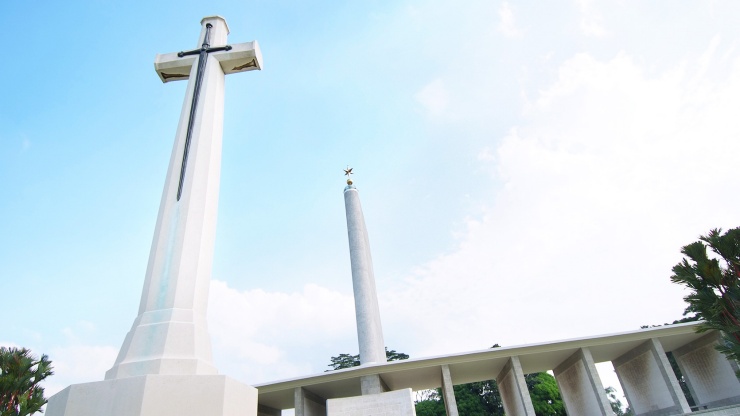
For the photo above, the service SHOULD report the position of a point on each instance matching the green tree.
(714, 285)
(344, 361)
(616, 404)
(348, 361)
(475, 399)
(478, 399)
(431, 406)
(543, 389)
(20, 375)
(484, 399)
(392, 355)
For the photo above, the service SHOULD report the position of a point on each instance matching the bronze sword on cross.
(202, 53)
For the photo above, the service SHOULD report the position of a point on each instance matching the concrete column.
(513, 389)
(308, 403)
(580, 386)
(648, 381)
(709, 375)
(369, 328)
(373, 384)
(170, 335)
(448, 392)
(263, 410)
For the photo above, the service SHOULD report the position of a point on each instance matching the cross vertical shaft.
(169, 335)
(202, 53)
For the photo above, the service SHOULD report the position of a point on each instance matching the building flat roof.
(424, 373)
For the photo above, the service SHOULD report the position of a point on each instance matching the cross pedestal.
(165, 361)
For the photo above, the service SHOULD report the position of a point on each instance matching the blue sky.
(528, 171)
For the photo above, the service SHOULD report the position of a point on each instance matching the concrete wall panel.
(396, 403)
(580, 386)
(710, 376)
(648, 381)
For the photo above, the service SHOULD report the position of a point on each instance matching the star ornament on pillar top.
(348, 172)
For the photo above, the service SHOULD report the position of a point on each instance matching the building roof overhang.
(424, 373)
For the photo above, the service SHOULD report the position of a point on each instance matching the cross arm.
(242, 57)
(171, 67)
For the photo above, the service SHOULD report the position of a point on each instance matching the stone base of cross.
(156, 395)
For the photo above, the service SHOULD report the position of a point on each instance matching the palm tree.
(715, 285)
(20, 375)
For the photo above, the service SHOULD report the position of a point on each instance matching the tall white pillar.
(170, 335)
(164, 367)
(369, 329)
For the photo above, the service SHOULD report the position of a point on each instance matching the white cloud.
(434, 97)
(507, 25)
(261, 336)
(591, 20)
(614, 171)
(78, 364)
(73, 361)
(486, 155)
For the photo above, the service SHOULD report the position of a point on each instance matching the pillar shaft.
(513, 389)
(580, 386)
(308, 403)
(709, 375)
(448, 392)
(648, 381)
(373, 384)
(169, 335)
(369, 329)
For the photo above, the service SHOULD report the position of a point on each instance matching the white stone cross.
(169, 335)
(172, 67)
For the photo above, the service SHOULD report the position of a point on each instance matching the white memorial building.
(165, 366)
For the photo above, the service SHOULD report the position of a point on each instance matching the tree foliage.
(476, 399)
(20, 375)
(616, 404)
(714, 285)
(344, 361)
(348, 361)
(483, 398)
(432, 405)
(543, 389)
(479, 398)
(392, 355)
